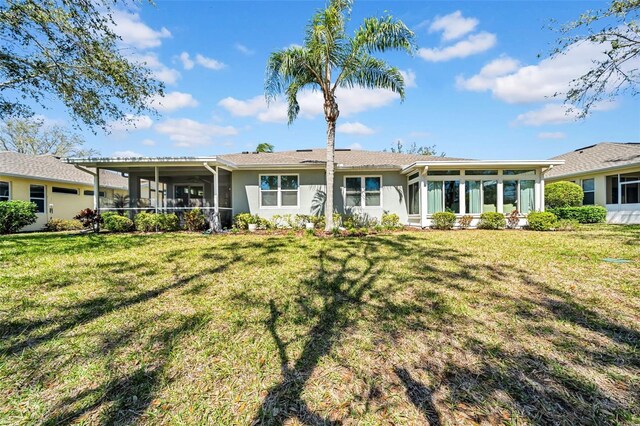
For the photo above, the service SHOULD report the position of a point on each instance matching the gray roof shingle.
(52, 168)
(346, 158)
(601, 156)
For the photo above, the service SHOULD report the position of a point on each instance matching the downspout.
(96, 190)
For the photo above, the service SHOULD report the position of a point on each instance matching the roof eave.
(595, 171)
(483, 163)
(147, 161)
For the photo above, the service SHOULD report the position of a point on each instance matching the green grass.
(450, 327)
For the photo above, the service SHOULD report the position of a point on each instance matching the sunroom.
(474, 187)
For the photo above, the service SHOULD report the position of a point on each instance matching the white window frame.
(410, 182)
(44, 187)
(9, 188)
(279, 191)
(363, 192)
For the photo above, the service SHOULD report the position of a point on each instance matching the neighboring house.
(609, 174)
(366, 182)
(58, 189)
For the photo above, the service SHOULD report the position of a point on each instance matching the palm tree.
(329, 59)
(264, 147)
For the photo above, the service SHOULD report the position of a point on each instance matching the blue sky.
(476, 87)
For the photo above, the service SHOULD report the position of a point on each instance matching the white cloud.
(187, 63)
(355, 128)
(173, 101)
(210, 63)
(557, 114)
(409, 78)
(537, 83)
(350, 101)
(244, 49)
(473, 44)
(126, 154)
(188, 133)
(453, 25)
(148, 142)
(131, 123)
(551, 135)
(159, 70)
(488, 74)
(355, 146)
(136, 33)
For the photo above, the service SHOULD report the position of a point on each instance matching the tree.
(617, 30)
(415, 149)
(36, 138)
(68, 49)
(329, 59)
(264, 147)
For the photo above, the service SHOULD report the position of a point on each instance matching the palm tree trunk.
(328, 204)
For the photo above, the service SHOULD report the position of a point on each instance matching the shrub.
(582, 214)
(242, 220)
(358, 220)
(194, 220)
(390, 221)
(89, 218)
(57, 225)
(465, 221)
(167, 222)
(542, 221)
(567, 225)
(513, 219)
(443, 220)
(563, 194)
(15, 215)
(492, 220)
(120, 202)
(145, 222)
(117, 223)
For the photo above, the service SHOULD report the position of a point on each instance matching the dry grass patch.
(437, 327)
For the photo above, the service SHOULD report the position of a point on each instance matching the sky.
(480, 84)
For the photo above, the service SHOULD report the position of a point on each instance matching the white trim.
(278, 191)
(471, 164)
(45, 179)
(363, 191)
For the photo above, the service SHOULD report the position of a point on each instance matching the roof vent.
(245, 152)
(583, 148)
(343, 149)
(304, 150)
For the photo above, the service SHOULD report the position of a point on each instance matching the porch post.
(96, 190)
(215, 191)
(157, 183)
(423, 197)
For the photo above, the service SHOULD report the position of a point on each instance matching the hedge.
(15, 215)
(563, 194)
(443, 220)
(583, 214)
(542, 221)
(492, 220)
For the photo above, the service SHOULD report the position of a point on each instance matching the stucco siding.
(57, 205)
(393, 194)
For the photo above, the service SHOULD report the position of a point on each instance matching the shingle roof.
(51, 168)
(345, 158)
(601, 156)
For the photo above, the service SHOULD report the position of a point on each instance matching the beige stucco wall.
(59, 206)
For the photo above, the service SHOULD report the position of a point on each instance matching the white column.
(541, 199)
(96, 190)
(423, 198)
(462, 198)
(215, 190)
(500, 194)
(157, 184)
(619, 192)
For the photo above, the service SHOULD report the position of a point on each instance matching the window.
(509, 196)
(189, 195)
(612, 189)
(88, 192)
(527, 196)
(279, 190)
(363, 191)
(4, 191)
(630, 188)
(443, 172)
(472, 196)
(414, 198)
(481, 172)
(37, 196)
(518, 172)
(443, 196)
(60, 190)
(588, 186)
(489, 196)
(414, 176)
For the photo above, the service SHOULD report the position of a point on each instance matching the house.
(58, 189)
(609, 174)
(366, 182)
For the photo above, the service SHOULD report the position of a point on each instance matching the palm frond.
(372, 73)
(381, 34)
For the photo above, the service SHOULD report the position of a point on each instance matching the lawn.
(445, 327)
